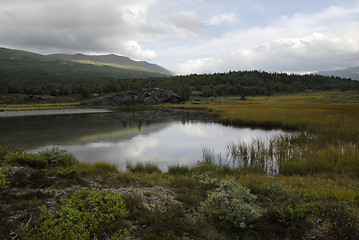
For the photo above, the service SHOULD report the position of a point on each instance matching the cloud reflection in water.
(172, 143)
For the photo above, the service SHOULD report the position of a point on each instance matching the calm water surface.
(119, 137)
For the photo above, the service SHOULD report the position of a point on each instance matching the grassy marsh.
(329, 127)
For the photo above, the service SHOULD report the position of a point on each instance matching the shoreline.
(23, 113)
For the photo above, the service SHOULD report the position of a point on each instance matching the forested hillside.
(114, 60)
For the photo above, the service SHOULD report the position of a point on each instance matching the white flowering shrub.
(229, 204)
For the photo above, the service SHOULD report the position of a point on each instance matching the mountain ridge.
(18, 66)
(351, 72)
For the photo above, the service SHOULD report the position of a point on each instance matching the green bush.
(229, 204)
(84, 215)
(26, 159)
(58, 157)
(4, 184)
(48, 157)
(3, 152)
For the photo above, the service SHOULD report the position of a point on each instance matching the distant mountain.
(18, 66)
(352, 73)
(116, 60)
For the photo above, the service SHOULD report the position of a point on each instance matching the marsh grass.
(327, 124)
(294, 154)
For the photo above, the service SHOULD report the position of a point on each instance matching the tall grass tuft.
(142, 168)
(178, 170)
(209, 157)
(105, 167)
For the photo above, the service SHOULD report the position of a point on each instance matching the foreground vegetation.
(314, 196)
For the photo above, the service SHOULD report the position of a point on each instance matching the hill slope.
(25, 67)
(114, 60)
(352, 73)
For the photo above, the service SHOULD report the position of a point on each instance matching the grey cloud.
(89, 26)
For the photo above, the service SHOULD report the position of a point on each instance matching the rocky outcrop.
(34, 99)
(144, 96)
(157, 95)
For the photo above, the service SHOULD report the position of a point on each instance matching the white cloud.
(298, 43)
(138, 51)
(308, 53)
(223, 18)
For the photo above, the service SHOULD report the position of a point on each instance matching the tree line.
(247, 83)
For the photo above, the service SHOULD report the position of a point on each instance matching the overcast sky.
(192, 36)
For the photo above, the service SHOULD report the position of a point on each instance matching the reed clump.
(285, 155)
(178, 170)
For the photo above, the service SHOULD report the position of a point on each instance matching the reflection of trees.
(139, 125)
(36, 131)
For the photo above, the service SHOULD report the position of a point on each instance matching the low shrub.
(4, 150)
(49, 157)
(342, 220)
(26, 159)
(294, 218)
(67, 173)
(85, 215)
(229, 205)
(58, 157)
(168, 223)
(4, 184)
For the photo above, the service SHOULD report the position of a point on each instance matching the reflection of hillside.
(35, 131)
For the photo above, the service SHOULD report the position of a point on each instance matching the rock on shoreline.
(144, 96)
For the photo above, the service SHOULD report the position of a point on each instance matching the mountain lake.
(162, 137)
